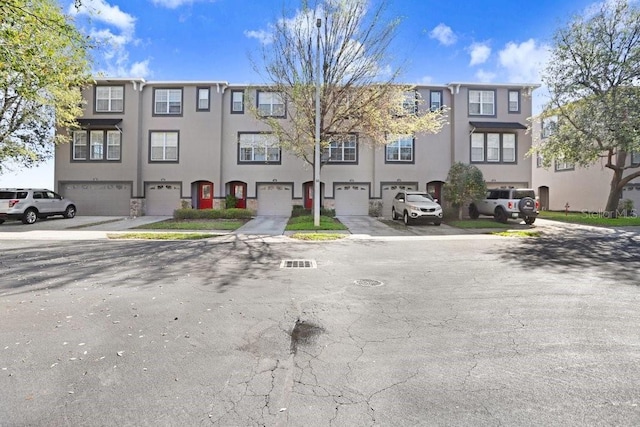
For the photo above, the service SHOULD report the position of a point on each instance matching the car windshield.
(419, 198)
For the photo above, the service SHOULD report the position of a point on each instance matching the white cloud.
(113, 30)
(444, 34)
(485, 76)
(263, 36)
(479, 53)
(524, 62)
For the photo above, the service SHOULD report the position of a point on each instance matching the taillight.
(510, 205)
(537, 205)
(13, 202)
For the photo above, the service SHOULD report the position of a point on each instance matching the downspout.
(453, 121)
(139, 138)
(221, 162)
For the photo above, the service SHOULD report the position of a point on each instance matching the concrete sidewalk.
(264, 226)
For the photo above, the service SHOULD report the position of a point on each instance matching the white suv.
(414, 206)
(505, 203)
(29, 204)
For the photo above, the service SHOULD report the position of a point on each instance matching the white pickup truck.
(506, 203)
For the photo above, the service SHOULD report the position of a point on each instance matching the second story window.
(493, 147)
(237, 102)
(109, 99)
(103, 145)
(514, 101)
(342, 149)
(635, 157)
(410, 102)
(167, 101)
(435, 100)
(270, 104)
(203, 99)
(163, 146)
(482, 103)
(561, 165)
(549, 126)
(258, 147)
(400, 150)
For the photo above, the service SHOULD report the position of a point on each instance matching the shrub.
(299, 210)
(212, 214)
(230, 201)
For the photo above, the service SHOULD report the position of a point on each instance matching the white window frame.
(494, 148)
(342, 149)
(114, 145)
(237, 102)
(204, 98)
(635, 157)
(258, 148)
(477, 148)
(561, 165)
(409, 103)
(271, 104)
(80, 145)
(109, 99)
(167, 101)
(435, 105)
(513, 104)
(165, 143)
(96, 143)
(400, 144)
(508, 148)
(485, 100)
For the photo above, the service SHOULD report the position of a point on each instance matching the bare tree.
(359, 94)
(593, 77)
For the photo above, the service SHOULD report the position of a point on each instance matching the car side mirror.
(401, 200)
(435, 200)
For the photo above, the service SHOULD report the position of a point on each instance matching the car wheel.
(473, 211)
(437, 223)
(1, 221)
(70, 212)
(529, 220)
(405, 218)
(394, 215)
(30, 216)
(500, 215)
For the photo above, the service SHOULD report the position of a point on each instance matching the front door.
(239, 191)
(205, 195)
(435, 189)
(308, 195)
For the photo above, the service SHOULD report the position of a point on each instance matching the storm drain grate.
(370, 283)
(298, 263)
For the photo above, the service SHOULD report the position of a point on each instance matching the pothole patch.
(368, 283)
(304, 333)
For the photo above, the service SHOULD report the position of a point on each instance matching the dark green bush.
(212, 214)
(230, 201)
(299, 210)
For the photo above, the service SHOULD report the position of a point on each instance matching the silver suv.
(505, 203)
(29, 204)
(416, 205)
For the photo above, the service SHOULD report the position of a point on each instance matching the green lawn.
(305, 222)
(318, 237)
(194, 224)
(477, 223)
(587, 218)
(160, 236)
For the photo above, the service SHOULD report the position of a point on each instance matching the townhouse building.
(148, 148)
(566, 186)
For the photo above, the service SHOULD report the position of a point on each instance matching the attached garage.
(389, 191)
(162, 198)
(352, 199)
(275, 199)
(105, 198)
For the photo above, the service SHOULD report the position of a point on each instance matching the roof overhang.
(497, 125)
(100, 123)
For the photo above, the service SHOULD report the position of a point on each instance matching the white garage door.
(352, 199)
(162, 199)
(99, 198)
(389, 191)
(274, 199)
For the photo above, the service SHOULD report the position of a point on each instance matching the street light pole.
(316, 160)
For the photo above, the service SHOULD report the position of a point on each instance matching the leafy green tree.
(359, 94)
(43, 65)
(593, 77)
(465, 183)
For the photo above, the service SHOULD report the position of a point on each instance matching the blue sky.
(440, 41)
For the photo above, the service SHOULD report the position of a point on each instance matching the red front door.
(239, 190)
(308, 195)
(205, 195)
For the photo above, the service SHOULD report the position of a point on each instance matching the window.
(539, 160)
(493, 147)
(109, 99)
(258, 147)
(635, 157)
(270, 104)
(435, 100)
(237, 102)
(514, 101)
(101, 142)
(80, 145)
(97, 145)
(549, 126)
(482, 103)
(168, 101)
(203, 99)
(400, 150)
(410, 102)
(561, 165)
(342, 149)
(164, 146)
